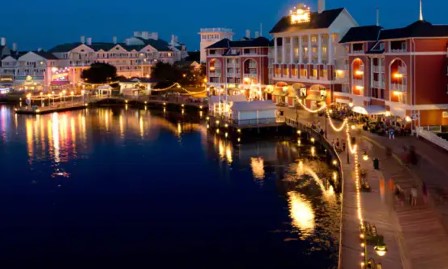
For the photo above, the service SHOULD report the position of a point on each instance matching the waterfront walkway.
(416, 236)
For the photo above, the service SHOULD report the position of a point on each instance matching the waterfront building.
(63, 64)
(234, 63)
(307, 55)
(28, 70)
(210, 36)
(400, 72)
(6, 78)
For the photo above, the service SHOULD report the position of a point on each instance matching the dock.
(59, 107)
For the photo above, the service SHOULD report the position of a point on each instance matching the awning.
(369, 110)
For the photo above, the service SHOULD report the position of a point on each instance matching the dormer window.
(359, 47)
(398, 46)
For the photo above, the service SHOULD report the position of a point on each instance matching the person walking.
(413, 196)
(343, 145)
(425, 193)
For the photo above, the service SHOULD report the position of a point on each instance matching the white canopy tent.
(221, 104)
(369, 110)
(253, 113)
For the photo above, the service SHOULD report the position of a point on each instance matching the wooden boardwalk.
(415, 235)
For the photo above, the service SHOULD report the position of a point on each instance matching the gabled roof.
(65, 47)
(317, 21)
(106, 46)
(362, 33)
(226, 43)
(416, 29)
(46, 55)
(159, 44)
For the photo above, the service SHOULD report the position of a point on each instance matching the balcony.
(378, 84)
(250, 75)
(358, 82)
(215, 74)
(358, 51)
(377, 69)
(233, 74)
(398, 50)
(398, 87)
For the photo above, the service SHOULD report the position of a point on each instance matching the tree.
(99, 73)
(166, 72)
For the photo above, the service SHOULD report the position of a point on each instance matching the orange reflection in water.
(301, 213)
(257, 166)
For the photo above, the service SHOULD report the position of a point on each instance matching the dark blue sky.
(43, 23)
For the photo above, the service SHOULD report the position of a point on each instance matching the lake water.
(133, 188)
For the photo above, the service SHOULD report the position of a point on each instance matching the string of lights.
(311, 110)
(337, 129)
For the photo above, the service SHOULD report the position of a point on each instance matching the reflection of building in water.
(61, 136)
(5, 116)
(54, 134)
(257, 165)
(301, 213)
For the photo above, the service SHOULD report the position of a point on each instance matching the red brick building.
(402, 71)
(231, 63)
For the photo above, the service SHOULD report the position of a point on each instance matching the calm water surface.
(111, 187)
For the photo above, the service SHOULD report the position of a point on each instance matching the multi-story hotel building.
(63, 64)
(402, 71)
(230, 63)
(307, 54)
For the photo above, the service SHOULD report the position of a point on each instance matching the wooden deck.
(35, 110)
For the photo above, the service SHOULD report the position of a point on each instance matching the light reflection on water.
(301, 213)
(308, 204)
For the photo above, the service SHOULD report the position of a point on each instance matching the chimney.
(321, 6)
(14, 46)
(257, 34)
(377, 17)
(3, 41)
(89, 41)
(173, 40)
(83, 39)
(114, 40)
(248, 33)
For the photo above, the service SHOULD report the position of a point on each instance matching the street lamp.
(380, 249)
(365, 157)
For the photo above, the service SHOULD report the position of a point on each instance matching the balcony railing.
(378, 84)
(358, 82)
(358, 51)
(377, 69)
(215, 74)
(398, 87)
(398, 50)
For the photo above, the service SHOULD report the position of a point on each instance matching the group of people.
(411, 195)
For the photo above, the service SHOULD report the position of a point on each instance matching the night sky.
(43, 23)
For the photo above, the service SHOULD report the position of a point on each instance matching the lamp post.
(41, 99)
(323, 95)
(72, 94)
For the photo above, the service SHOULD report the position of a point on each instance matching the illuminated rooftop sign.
(300, 14)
